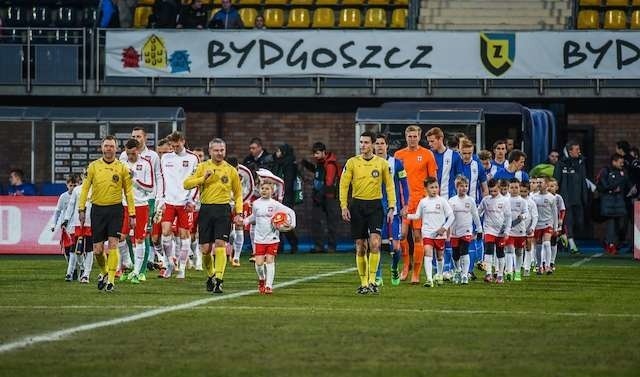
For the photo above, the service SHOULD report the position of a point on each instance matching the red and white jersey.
(519, 216)
(547, 211)
(154, 159)
(143, 181)
(267, 175)
(71, 213)
(435, 213)
(262, 212)
(533, 214)
(176, 167)
(560, 207)
(465, 214)
(497, 215)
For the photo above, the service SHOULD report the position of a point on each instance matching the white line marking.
(61, 334)
(585, 260)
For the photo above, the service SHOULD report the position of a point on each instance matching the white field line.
(307, 309)
(61, 334)
(585, 260)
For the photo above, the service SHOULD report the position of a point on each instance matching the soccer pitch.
(582, 321)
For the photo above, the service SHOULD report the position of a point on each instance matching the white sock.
(572, 244)
(185, 247)
(527, 259)
(440, 265)
(488, 261)
(260, 271)
(271, 274)
(501, 265)
(157, 250)
(72, 263)
(509, 260)
(494, 262)
(554, 253)
(88, 263)
(125, 258)
(539, 255)
(428, 267)
(167, 246)
(465, 262)
(546, 252)
(238, 242)
(139, 255)
(519, 260)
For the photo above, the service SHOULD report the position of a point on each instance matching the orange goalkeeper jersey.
(419, 165)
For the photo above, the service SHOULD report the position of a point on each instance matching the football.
(281, 221)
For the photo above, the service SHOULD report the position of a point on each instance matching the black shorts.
(106, 221)
(214, 223)
(366, 218)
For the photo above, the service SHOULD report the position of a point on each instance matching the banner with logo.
(25, 227)
(373, 53)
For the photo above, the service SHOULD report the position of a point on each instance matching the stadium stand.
(350, 18)
(141, 16)
(274, 17)
(615, 19)
(608, 14)
(248, 16)
(588, 19)
(323, 18)
(375, 18)
(635, 20)
(399, 18)
(299, 18)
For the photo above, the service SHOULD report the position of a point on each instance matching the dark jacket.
(191, 18)
(285, 168)
(164, 14)
(571, 174)
(226, 19)
(613, 186)
(326, 175)
(265, 161)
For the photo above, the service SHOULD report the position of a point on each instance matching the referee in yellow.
(366, 173)
(219, 182)
(109, 178)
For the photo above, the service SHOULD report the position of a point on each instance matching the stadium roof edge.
(93, 114)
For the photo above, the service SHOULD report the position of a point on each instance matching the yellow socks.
(361, 263)
(374, 259)
(101, 259)
(220, 262)
(207, 261)
(112, 264)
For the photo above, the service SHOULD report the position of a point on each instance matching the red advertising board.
(636, 230)
(25, 225)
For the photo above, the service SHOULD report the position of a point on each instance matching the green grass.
(582, 321)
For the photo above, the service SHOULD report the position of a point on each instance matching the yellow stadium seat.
(146, 2)
(401, 2)
(615, 19)
(299, 18)
(378, 2)
(249, 2)
(588, 19)
(635, 3)
(274, 17)
(375, 18)
(399, 18)
(275, 2)
(352, 2)
(301, 2)
(141, 17)
(207, 2)
(635, 20)
(617, 3)
(323, 18)
(326, 2)
(248, 16)
(590, 3)
(350, 18)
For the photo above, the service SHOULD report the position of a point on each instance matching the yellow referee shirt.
(109, 180)
(366, 178)
(218, 188)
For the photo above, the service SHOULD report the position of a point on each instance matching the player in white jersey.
(177, 203)
(236, 237)
(142, 179)
(497, 225)
(518, 234)
(546, 226)
(81, 231)
(266, 235)
(561, 208)
(156, 227)
(437, 217)
(531, 224)
(466, 222)
(66, 242)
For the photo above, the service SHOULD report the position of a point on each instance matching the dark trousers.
(292, 238)
(574, 219)
(616, 230)
(325, 216)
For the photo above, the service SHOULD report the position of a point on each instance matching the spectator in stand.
(126, 9)
(165, 13)
(17, 185)
(259, 22)
(226, 18)
(258, 156)
(285, 167)
(109, 16)
(325, 204)
(510, 145)
(192, 16)
(613, 184)
(571, 174)
(547, 167)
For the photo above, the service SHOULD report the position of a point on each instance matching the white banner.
(377, 54)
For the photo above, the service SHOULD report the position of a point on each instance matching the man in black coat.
(613, 185)
(258, 156)
(571, 174)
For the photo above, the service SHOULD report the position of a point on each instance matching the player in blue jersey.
(392, 231)
(516, 160)
(449, 162)
(473, 170)
(499, 160)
